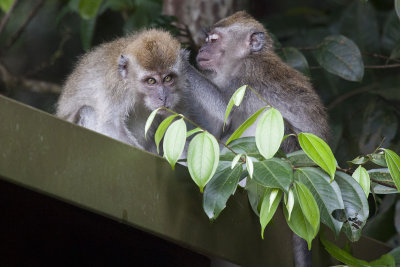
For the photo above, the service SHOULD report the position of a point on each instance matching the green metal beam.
(51, 156)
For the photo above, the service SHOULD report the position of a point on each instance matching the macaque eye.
(213, 37)
(151, 81)
(168, 78)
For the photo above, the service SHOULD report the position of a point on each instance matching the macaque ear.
(257, 41)
(123, 65)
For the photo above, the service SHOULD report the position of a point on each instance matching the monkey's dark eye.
(168, 78)
(151, 81)
(213, 37)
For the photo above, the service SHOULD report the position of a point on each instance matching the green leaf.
(255, 192)
(203, 158)
(240, 130)
(243, 145)
(397, 7)
(386, 260)
(319, 152)
(359, 160)
(192, 132)
(219, 189)
(269, 133)
(174, 142)
(341, 56)
(149, 121)
(88, 8)
(87, 31)
(341, 255)
(382, 176)
(235, 160)
(236, 99)
(249, 166)
(355, 204)
(289, 202)
(161, 130)
(327, 194)
(5, 5)
(308, 205)
(270, 202)
(300, 159)
(393, 162)
(298, 223)
(362, 177)
(293, 57)
(274, 173)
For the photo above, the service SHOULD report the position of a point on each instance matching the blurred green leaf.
(379, 159)
(245, 125)
(355, 203)
(295, 59)
(192, 132)
(88, 8)
(5, 5)
(174, 141)
(219, 189)
(300, 159)
(397, 7)
(319, 152)
(341, 56)
(270, 202)
(269, 132)
(362, 177)
(274, 173)
(161, 130)
(327, 194)
(88, 27)
(391, 32)
(202, 158)
(393, 162)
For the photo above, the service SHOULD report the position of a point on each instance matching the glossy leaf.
(362, 177)
(249, 166)
(269, 133)
(88, 8)
(326, 194)
(243, 145)
(174, 141)
(359, 160)
(236, 99)
(379, 159)
(274, 173)
(298, 222)
(192, 132)
(384, 178)
(149, 121)
(202, 158)
(5, 5)
(293, 57)
(393, 162)
(341, 56)
(319, 152)
(355, 204)
(161, 130)
(245, 125)
(270, 202)
(289, 202)
(300, 159)
(219, 189)
(308, 205)
(255, 192)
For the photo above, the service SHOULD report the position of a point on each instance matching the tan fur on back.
(154, 49)
(241, 17)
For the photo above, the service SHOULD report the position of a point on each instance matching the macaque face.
(211, 52)
(159, 89)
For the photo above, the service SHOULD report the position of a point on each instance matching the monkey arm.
(205, 104)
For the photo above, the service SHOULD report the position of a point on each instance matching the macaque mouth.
(202, 59)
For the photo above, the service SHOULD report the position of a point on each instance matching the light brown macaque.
(114, 87)
(239, 51)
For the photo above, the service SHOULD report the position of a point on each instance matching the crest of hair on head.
(155, 49)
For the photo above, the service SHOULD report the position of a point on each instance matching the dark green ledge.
(45, 154)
